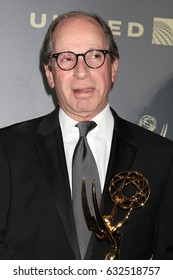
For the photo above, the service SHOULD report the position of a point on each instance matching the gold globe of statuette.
(134, 182)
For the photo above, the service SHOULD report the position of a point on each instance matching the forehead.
(78, 30)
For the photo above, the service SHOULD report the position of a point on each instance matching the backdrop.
(143, 31)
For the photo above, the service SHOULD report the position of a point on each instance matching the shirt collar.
(67, 124)
(104, 120)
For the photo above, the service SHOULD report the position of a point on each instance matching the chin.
(86, 109)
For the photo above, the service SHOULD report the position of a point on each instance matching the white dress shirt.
(99, 140)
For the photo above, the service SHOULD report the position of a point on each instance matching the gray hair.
(46, 50)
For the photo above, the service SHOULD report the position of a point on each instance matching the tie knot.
(85, 127)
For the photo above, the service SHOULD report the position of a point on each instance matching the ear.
(49, 76)
(114, 70)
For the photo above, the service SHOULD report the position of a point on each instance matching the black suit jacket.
(36, 216)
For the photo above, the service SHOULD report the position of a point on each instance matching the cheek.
(59, 81)
(61, 78)
(105, 81)
(62, 88)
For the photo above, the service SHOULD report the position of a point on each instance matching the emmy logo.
(150, 123)
(103, 225)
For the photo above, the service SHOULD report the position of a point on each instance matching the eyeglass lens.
(68, 60)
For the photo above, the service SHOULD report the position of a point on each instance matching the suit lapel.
(121, 159)
(51, 152)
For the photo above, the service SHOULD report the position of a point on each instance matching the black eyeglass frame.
(55, 55)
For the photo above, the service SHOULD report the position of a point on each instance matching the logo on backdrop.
(150, 123)
(162, 32)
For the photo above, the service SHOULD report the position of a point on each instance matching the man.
(36, 212)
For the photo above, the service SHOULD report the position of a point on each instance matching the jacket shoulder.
(19, 128)
(18, 136)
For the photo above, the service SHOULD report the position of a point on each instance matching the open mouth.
(83, 90)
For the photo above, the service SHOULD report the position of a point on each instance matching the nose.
(81, 70)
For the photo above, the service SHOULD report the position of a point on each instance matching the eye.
(66, 58)
(96, 55)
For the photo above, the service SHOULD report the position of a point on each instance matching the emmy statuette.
(103, 225)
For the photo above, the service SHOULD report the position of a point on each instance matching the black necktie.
(83, 166)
